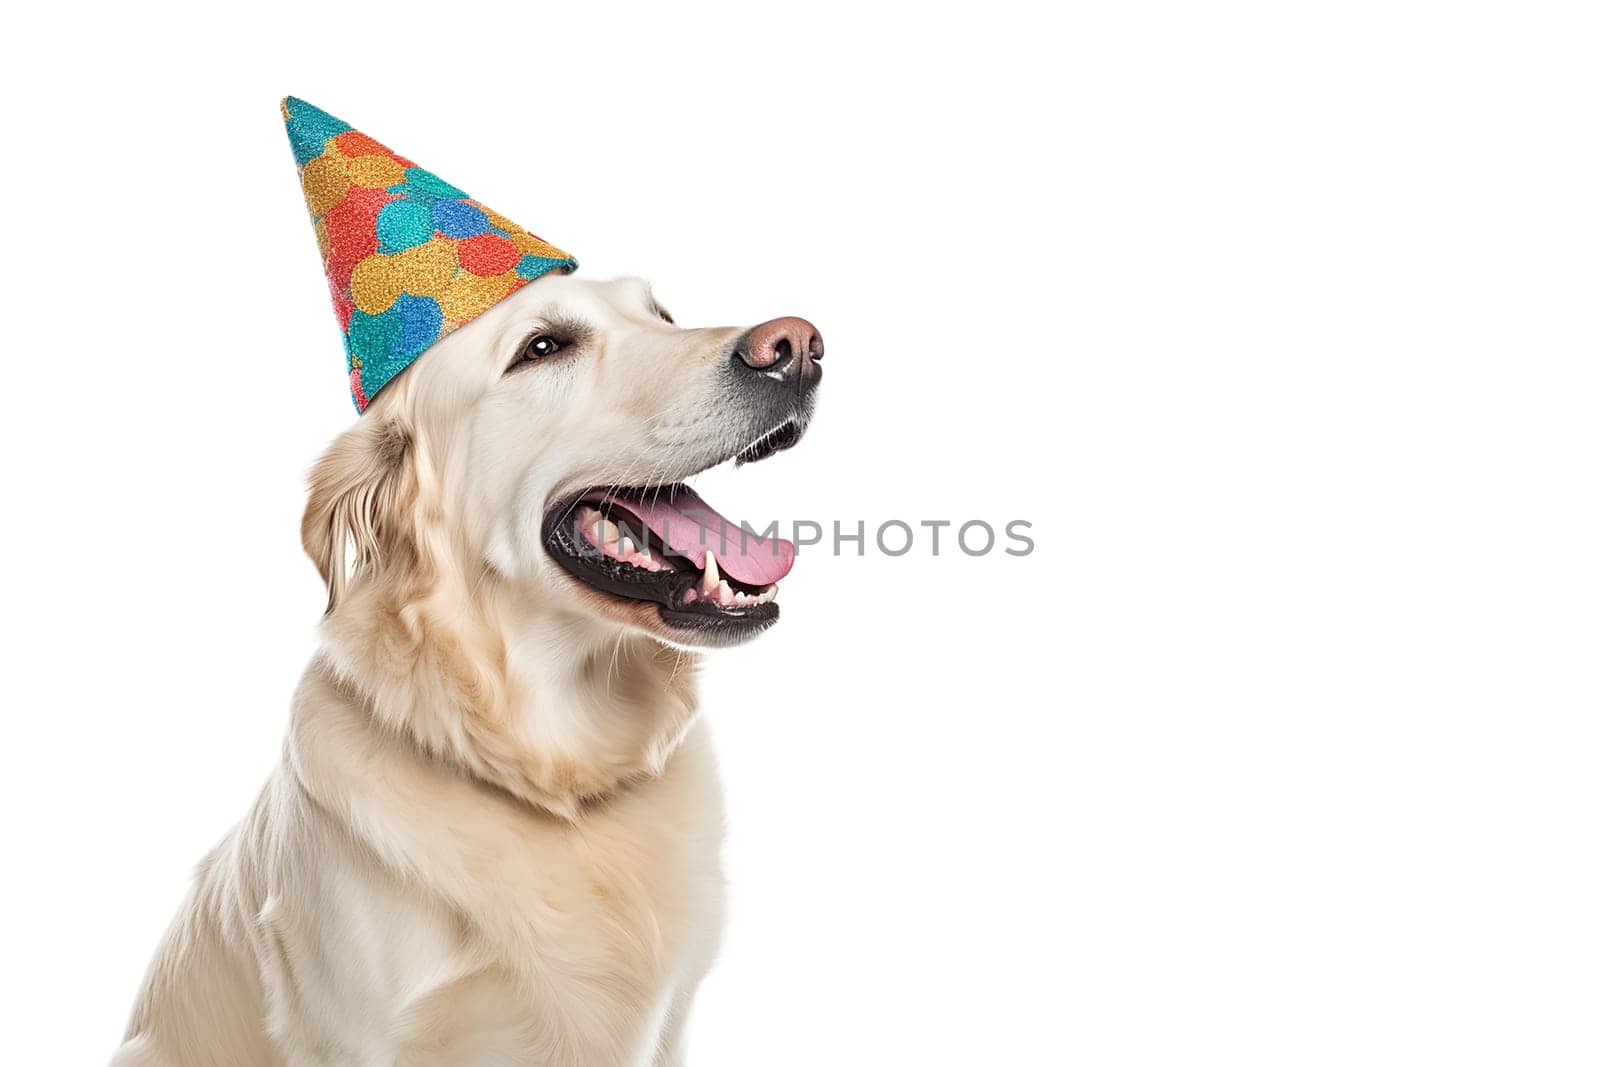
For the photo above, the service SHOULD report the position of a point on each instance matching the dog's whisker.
(615, 650)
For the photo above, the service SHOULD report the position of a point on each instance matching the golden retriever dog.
(493, 837)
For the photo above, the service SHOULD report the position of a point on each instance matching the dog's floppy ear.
(363, 495)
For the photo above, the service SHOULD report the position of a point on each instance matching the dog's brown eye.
(538, 347)
(558, 335)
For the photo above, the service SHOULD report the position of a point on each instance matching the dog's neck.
(551, 706)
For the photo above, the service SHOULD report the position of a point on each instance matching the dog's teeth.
(712, 577)
(589, 522)
(724, 593)
(625, 548)
(606, 531)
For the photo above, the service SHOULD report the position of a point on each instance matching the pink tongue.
(689, 526)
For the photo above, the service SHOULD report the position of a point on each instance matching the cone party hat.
(409, 257)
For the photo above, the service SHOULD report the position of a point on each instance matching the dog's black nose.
(785, 350)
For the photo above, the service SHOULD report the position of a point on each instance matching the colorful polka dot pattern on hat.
(409, 256)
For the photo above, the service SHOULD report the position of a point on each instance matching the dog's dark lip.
(672, 588)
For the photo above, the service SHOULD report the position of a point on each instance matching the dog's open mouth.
(665, 545)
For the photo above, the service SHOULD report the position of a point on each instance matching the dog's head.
(544, 445)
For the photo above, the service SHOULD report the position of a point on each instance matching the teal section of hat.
(409, 257)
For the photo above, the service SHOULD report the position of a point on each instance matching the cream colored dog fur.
(493, 837)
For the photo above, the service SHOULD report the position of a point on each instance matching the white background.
(1277, 321)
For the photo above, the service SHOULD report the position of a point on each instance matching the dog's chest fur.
(376, 907)
(533, 938)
